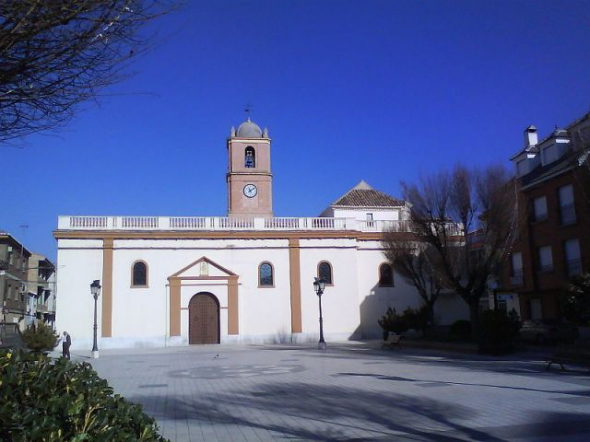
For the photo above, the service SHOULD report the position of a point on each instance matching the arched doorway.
(203, 323)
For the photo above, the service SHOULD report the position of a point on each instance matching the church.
(243, 278)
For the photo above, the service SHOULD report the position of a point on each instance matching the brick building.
(14, 259)
(553, 241)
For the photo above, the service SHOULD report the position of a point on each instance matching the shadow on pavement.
(584, 393)
(335, 413)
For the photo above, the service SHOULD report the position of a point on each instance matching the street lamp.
(319, 285)
(95, 290)
(493, 285)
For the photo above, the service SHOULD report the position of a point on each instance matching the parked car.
(548, 331)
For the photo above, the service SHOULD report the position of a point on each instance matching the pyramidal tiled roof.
(363, 195)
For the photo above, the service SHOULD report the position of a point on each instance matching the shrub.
(52, 401)
(410, 318)
(417, 319)
(40, 338)
(575, 301)
(392, 322)
(460, 330)
(497, 331)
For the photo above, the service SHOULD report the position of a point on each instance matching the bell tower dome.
(249, 179)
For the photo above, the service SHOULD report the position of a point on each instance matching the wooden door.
(203, 319)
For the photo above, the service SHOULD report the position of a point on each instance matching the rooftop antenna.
(23, 228)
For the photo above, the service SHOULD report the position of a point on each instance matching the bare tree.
(55, 54)
(415, 261)
(468, 219)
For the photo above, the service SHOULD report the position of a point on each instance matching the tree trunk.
(474, 318)
(430, 327)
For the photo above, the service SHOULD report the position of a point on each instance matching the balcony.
(203, 223)
(14, 305)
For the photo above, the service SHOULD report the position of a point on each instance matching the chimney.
(531, 137)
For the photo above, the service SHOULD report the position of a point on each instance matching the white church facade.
(244, 278)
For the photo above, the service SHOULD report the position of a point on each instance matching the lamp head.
(319, 285)
(95, 288)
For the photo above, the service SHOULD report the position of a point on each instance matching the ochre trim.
(295, 285)
(221, 234)
(207, 260)
(205, 278)
(107, 288)
(174, 306)
(233, 326)
(175, 282)
(228, 234)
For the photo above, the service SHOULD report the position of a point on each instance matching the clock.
(250, 190)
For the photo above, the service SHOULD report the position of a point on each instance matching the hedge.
(56, 400)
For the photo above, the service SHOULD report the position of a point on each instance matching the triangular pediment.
(203, 267)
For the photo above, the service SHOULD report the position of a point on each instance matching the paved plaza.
(351, 392)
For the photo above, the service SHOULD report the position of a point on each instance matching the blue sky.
(376, 90)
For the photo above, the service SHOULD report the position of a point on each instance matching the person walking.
(66, 341)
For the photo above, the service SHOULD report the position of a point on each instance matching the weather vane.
(248, 109)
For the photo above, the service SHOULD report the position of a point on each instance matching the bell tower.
(249, 180)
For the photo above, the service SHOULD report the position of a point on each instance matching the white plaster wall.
(373, 300)
(165, 258)
(340, 301)
(262, 311)
(450, 307)
(77, 268)
(361, 214)
(141, 315)
(140, 312)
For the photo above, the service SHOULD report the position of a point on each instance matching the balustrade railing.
(225, 223)
(200, 223)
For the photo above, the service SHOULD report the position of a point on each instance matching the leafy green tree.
(40, 338)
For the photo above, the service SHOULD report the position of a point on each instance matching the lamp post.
(494, 286)
(319, 285)
(95, 290)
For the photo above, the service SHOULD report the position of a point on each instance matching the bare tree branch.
(55, 54)
(416, 262)
(467, 219)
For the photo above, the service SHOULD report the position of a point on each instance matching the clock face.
(250, 190)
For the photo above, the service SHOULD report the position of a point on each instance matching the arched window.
(266, 275)
(385, 275)
(250, 157)
(139, 274)
(325, 272)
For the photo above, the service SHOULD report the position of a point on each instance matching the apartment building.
(14, 259)
(41, 290)
(553, 241)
